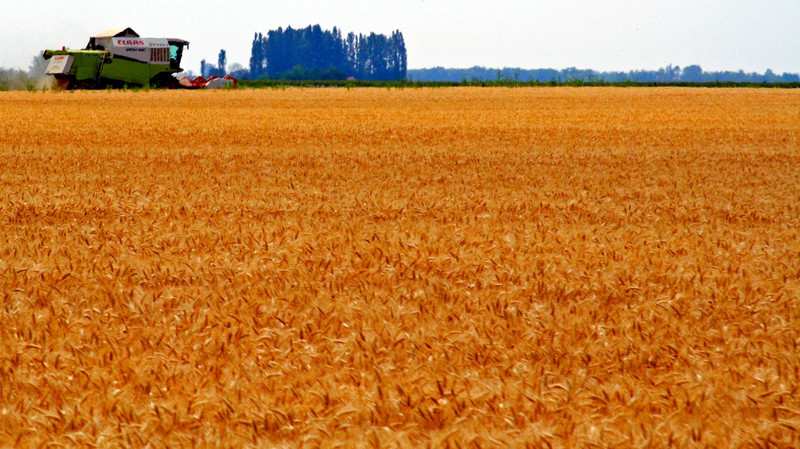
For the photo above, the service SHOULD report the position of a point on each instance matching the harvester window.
(175, 55)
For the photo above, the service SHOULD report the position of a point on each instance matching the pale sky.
(605, 35)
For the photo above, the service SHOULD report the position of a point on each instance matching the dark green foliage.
(283, 83)
(257, 59)
(299, 73)
(314, 53)
(222, 62)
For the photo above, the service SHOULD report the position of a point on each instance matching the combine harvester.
(121, 58)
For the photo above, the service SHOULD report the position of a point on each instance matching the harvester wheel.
(165, 81)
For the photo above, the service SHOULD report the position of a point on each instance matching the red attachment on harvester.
(214, 82)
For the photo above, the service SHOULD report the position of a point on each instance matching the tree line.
(666, 75)
(314, 53)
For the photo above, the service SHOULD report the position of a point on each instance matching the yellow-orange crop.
(457, 267)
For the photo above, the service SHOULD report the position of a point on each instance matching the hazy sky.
(606, 35)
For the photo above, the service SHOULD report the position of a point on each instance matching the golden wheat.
(400, 268)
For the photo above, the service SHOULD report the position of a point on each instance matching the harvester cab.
(120, 58)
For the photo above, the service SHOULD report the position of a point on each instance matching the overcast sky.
(606, 35)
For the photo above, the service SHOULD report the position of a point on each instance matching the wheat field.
(460, 268)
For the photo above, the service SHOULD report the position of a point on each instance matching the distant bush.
(12, 79)
(33, 79)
